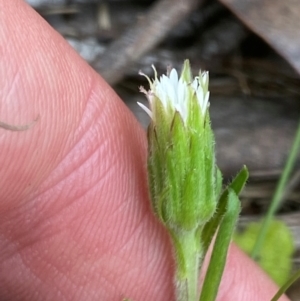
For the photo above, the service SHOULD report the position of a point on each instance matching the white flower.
(177, 92)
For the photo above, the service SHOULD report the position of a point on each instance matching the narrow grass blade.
(219, 253)
(282, 290)
(278, 194)
(210, 228)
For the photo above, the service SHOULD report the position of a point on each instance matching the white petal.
(200, 97)
(169, 89)
(172, 93)
(174, 78)
(205, 78)
(161, 92)
(205, 102)
(181, 92)
(182, 109)
(147, 110)
(195, 83)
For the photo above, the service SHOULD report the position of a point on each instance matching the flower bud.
(182, 173)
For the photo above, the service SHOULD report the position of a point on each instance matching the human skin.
(75, 219)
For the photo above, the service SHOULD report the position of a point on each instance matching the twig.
(146, 33)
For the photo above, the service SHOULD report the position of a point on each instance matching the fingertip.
(41, 75)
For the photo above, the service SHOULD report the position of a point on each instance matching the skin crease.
(75, 219)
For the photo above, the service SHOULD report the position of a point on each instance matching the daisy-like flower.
(175, 93)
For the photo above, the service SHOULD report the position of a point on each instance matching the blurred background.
(252, 52)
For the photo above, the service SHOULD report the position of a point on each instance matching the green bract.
(181, 162)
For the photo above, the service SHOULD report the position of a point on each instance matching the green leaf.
(219, 254)
(210, 228)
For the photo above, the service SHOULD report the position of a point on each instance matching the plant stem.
(278, 194)
(188, 254)
(286, 286)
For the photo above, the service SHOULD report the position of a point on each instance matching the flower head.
(175, 93)
(181, 158)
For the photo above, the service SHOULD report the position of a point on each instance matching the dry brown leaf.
(276, 21)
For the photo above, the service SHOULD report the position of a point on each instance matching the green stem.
(187, 253)
(283, 289)
(278, 194)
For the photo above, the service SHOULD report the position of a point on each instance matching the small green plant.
(186, 188)
(261, 243)
(279, 192)
(185, 183)
(276, 252)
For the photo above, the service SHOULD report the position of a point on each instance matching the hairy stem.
(188, 255)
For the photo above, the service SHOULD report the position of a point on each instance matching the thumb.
(41, 76)
(75, 222)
